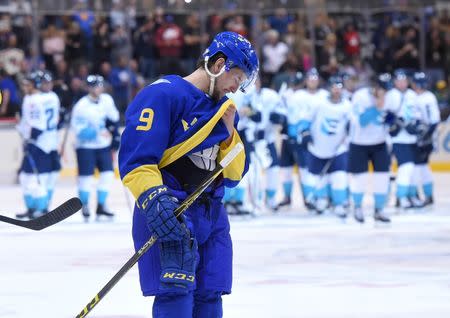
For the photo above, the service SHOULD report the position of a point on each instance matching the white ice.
(285, 265)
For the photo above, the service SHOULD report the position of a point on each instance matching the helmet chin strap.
(212, 77)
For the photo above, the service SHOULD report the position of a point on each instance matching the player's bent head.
(229, 50)
(95, 84)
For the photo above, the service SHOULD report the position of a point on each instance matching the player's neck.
(199, 79)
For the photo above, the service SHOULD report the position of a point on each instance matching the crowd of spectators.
(131, 50)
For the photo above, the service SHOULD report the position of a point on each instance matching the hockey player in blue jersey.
(368, 144)
(429, 120)
(176, 131)
(94, 121)
(38, 126)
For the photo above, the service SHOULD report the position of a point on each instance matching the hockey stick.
(55, 216)
(183, 207)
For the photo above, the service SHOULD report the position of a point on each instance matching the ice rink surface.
(289, 264)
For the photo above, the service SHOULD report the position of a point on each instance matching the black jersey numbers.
(146, 119)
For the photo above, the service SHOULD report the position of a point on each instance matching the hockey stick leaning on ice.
(55, 216)
(183, 207)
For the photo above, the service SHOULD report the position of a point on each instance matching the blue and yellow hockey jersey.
(167, 120)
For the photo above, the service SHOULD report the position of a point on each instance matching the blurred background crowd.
(133, 42)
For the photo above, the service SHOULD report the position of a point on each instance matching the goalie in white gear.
(325, 133)
(39, 129)
(94, 121)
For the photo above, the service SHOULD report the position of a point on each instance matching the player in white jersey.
(368, 144)
(300, 104)
(326, 137)
(95, 121)
(38, 127)
(429, 120)
(402, 101)
(268, 103)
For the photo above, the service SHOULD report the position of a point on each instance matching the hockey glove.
(256, 117)
(305, 137)
(158, 206)
(276, 118)
(35, 134)
(178, 261)
(416, 128)
(389, 118)
(395, 128)
(87, 134)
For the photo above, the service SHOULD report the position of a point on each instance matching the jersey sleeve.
(144, 139)
(111, 111)
(78, 121)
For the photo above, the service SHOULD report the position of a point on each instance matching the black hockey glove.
(396, 126)
(178, 261)
(305, 137)
(113, 128)
(158, 206)
(276, 118)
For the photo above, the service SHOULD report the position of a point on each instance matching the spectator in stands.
(169, 44)
(280, 20)
(53, 46)
(74, 43)
(117, 14)
(406, 53)
(328, 60)
(11, 57)
(352, 41)
(144, 48)
(85, 18)
(120, 45)
(274, 54)
(236, 24)
(9, 95)
(77, 90)
(194, 41)
(383, 55)
(102, 45)
(123, 83)
(435, 52)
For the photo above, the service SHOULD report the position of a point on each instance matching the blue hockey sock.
(380, 200)
(428, 190)
(30, 203)
(174, 305)
(338, 196)
(402, 191)
(270, 194)
(208, 304)
(101, 197)
(412, 192)
(41, 203)
(239, 194)
(357, 199)
(287, 188)
(84, 197)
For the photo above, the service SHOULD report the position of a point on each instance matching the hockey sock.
(84, 197)
(207, 304)
(101, 197)
(174, 305)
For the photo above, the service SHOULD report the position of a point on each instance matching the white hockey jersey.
(428, 108)
(41, 111)
(367, 126)
(93, 114)
(302, 103)
(266, 101)
(404, 105)
(329, 123)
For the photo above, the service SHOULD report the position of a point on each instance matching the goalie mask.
(239, 52)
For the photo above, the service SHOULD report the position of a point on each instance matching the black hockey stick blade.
(62, 212)
(178, 211)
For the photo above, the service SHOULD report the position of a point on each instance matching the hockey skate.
(321, 205)
(428, 201)
(380, 216)
(417, 202)
(285, 202)
(28, 214)
(358, 214)
(85, 212)
(101, 212)
(340, 211)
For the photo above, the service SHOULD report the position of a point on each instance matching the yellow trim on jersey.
(236, 167)
(176, 152)
(142, 178)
